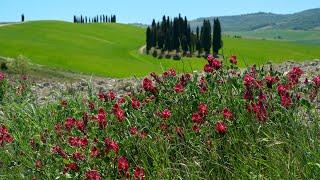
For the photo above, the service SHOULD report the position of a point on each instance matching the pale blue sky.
(129, 11)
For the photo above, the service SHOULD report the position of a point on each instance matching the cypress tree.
(217, 41)
(86, 20)
(206, 36)
(148, 40)
(22, 18)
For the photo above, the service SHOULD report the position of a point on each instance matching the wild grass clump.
(223, 124)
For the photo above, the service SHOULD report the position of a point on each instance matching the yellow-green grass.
(112, 49)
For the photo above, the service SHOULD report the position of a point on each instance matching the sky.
(143, 11)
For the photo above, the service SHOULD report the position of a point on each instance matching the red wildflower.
(155, 77)
(286, 101)
(248, 80)
(94, 152)
(80, 125)
(260, 110)
(294, 75)
(166, 114)
(196, 118)
(57, 150)
(139, 174)
(111, 95)
(207, 68)
(178, 88)
(316, 81)
(102, 119)
(221, 127)
(135, 104)
(121, 100)
(93, 175)
(216, 64)
(5, 137)
(227, 114)
(120, 114)
(248, 95)
(133, 130)
(69, 123)
(78, 156)
(233, 60)
(196, 128)
(143, 134)
(78, 142)
(101, 96)
(270, 81)
(147, 84)
(203, 109)
(111, 145)
(38, 164)
(71, 167)
(282, 89)
(2, 76)
(123, 164)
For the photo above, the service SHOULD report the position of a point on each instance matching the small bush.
(19, 65)
(168, 56)
(177, 57)
(155, 53)
(3, 66)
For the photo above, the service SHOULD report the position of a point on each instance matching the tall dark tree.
(148, 38)
(86, 20)
(206, 36)
(217, 41)
(22, 18)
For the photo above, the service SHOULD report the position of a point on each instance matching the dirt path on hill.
(8, 24)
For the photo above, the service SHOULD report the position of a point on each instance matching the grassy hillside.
(307, 37)
(112, 49)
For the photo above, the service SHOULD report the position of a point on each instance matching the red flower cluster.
(213, 64)
(5, 137)
(221, 127)
(316, 81)
(227, 114)
(166, 114)
(2, 76)
(93, 175)
(118, 112)
(101, 118)
(78, 142)
(294, 75)
(148, 85)
(169, 73)
(71, 167)
(139, 173)
(57, 150)
(123, 164)
(111, 145)
(233, 60)
(135, 103)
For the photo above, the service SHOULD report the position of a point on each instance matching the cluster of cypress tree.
(176, 34)
(96, 19)
(170, 35)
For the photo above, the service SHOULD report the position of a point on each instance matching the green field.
(306, 37)
(112, 49)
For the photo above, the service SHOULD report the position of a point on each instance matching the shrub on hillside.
(155, 53)
(177, 57)
(19, 65)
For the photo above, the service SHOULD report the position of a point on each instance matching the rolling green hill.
(112, 49)
(304, 20)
